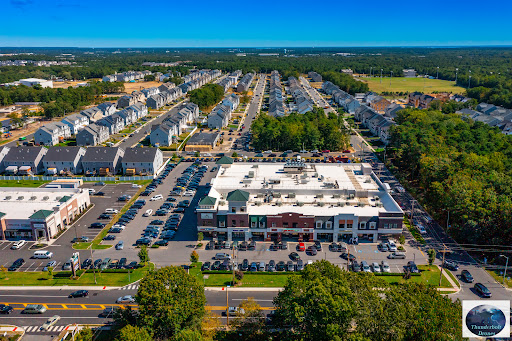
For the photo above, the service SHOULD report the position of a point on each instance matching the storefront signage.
(206, 215)
(205, 229)
(39, 226)
(292, 230)
(238, 230)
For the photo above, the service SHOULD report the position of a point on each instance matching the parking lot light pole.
(506, 266)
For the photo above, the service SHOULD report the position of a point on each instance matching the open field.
(130, 87)
(401, 84)
(23, 183)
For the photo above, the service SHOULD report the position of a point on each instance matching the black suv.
(245, 265)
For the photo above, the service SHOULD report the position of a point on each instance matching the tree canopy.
(313, 130)
(207, 96)
(457, 167)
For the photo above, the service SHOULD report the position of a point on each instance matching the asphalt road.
(88, 309)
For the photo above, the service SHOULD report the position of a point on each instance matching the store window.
(253, 224)
(319, 224)
(362, 226)
(233, 222)
(373, 225)
(243, 209)
(262, 224)
(222, 223)
(328, 224)
(349, 225)
(274, 224)
(233, 209)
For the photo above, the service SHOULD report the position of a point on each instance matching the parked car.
(18, 244)
(412, 267)
(396, 255)
(376, 267)
(301, 247)
(205, 266)
(383, 247)
(294, 256)
(290, 266)
(120, 245)
(356, 267)
(482, 290)
(311, 250)
(365, 267)
(52, 263)
(318, 245)
(17, 264)
(385, 266)
(466, 276)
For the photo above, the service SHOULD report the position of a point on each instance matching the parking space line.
(29, 266)
(7, 244)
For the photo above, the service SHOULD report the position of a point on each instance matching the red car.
(301, 247)
(326, 151)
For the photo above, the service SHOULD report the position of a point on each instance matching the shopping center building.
(39, 213)
(298, 202)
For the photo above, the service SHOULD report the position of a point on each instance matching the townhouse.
(114, 123)
(102, 161)
(52, 133)
(24, 160)
(92, 135)
(245, 82)
(63, 160)
(75, 122)
(276, 105)
(315, 77)
(93, 114)
(142, 161)
(302, 100)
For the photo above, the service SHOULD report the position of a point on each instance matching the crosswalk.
(37, 329)
(130, 287)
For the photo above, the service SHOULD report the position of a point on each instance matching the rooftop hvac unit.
(336, 195)
(304, 176)
(321, 204)
(300, 203)
(21, 197)
(258, 203)
(222, 203)
(361, 204)
(33, 198)
(251, 174)
(255, 166)
(8, 197)
(341, 204)
(351, 196)
(319, 196)
(260, 195)
(46, 198)
(367, 181)
(58, 198)
(277, 195)
(246, 181)
(315, 175)
(279, 203)
(304, 181)
(347, 203)
(291, 195)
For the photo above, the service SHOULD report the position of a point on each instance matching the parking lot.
(179, 248)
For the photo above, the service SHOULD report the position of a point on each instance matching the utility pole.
(227, 306)
(441, 275)
(506, 266)
(92, 264)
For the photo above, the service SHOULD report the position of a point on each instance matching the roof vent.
(21, 197)
(32, 198)
(8, 197)
(46, 198)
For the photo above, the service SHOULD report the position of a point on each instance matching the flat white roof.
(320, 189)
(21, 203)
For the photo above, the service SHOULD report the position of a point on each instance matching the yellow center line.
(83, 306)
(64, 306)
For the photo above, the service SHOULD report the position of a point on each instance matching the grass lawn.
(427, 277)
(22, 183)
(42, 278)
(498, 276)
(414, 231)
(402, 84)
(452, 276)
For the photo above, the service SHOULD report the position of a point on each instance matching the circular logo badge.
(485, 320)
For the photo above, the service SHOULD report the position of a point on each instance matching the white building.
(33, 81)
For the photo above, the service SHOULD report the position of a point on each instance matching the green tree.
(50, 271)
(143, 255)
(133, 333)
(188, 335)
(235, 154)
(250, 322)
(194, 256)
(170, 300)
(149, 78)
(431, 256)
(200, 236)
(85, 334)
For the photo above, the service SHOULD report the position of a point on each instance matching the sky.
(262, 23)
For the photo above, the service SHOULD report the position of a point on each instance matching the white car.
(91, 190)
(18, 245)
(111, 210)
(157, 197)
(119, 226)
(375, 267)
(422, 229)
(50, 322)
(189, 193)
(392, 246)
(385, 266)
(147, 213)
(126, 299)
(136, 186)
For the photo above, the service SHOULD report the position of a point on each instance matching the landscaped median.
(99, 238)
(428, 276)
(107, 277)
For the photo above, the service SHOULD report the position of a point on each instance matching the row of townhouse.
(245, 82)
(127, 76)
(276, 106)
(492, 115)
(167, 93)
(230, 80)
(315, 77)
(199, 79)
(52, 133)
(221, 114)
(134, 97)
(301, 98)
(420, 100)
(342, 98)
(80, 160)
(173, 125)
(377, 123)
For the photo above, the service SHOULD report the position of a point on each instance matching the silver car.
(385, 266)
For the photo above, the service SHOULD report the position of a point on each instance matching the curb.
(242, 289)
